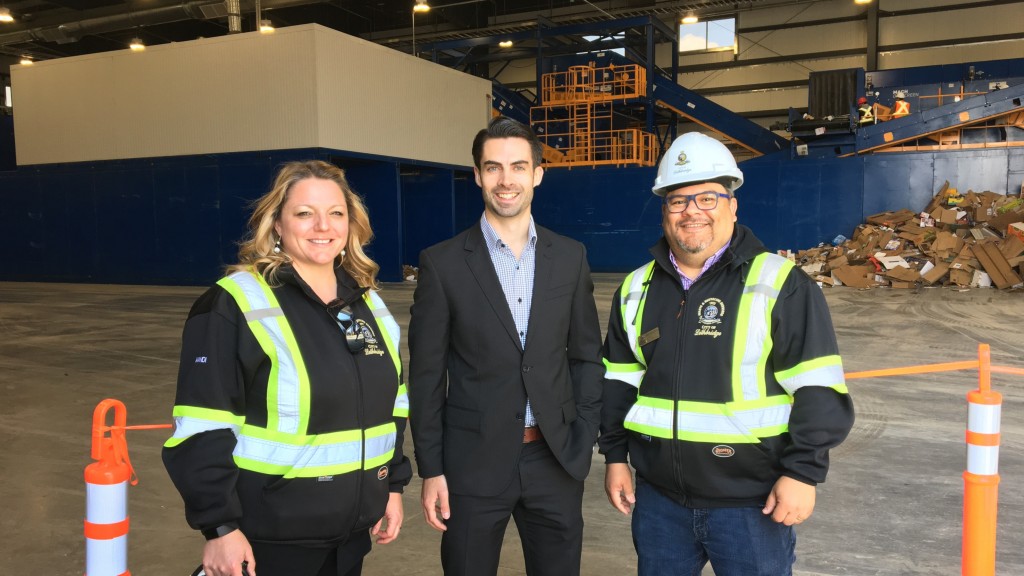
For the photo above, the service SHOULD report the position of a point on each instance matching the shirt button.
(520, 300)
(519, 416)
(526, 368)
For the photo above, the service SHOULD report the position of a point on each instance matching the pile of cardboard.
(978, 241)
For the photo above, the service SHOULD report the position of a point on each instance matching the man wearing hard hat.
(901, 108)
(864, 111)
(724, 387)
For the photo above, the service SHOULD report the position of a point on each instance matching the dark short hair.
(505, 127)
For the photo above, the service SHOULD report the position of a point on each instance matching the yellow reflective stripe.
(402, 402)
(380, 445)
(745, 422)
(390, 330)
(650, 416)
(298, 456)
(826, 371)
(631, 374)
(288, 383)
(192, 420)
(752, 343)
(632, 298)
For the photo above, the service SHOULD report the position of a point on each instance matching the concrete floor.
(892, 505)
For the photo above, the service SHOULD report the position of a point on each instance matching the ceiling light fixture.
(421, 6)
(505, 43)
(862, 1)
(690, 18)
(136, 45)
(266, 27)
(27, 60)
(5, 15)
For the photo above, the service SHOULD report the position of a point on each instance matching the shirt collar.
(494, 242)
(707, 263)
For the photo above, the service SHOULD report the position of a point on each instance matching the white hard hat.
(694, 158)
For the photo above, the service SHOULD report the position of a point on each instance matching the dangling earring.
(277, 246)
(342, 256)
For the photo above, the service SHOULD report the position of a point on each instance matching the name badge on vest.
(648, 337)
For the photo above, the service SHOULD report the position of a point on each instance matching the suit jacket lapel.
(541, 280)
(479, 261)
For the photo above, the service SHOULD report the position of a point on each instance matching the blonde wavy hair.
(256, 250)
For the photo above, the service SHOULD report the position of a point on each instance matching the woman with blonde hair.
(290, 408)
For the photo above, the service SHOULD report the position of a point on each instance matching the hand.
(393, 515)
(435, 499)
(790, 501)
(618, 484)
(224, 556)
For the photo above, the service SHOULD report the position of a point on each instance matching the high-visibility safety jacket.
(714, 392)
(279, 428)
(901, 109)
(867, 116)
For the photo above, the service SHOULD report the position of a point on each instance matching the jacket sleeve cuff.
(218, 531)
(617, 455)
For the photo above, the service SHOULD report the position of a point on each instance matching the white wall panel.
(952, 24)
(376, 100)
(304, 86)
(952, 54)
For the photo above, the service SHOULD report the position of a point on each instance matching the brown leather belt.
(532, 434)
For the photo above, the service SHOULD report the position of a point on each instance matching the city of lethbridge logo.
(372, 346)
(709, 314)
(681, 160)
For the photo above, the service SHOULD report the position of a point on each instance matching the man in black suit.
(506, 372)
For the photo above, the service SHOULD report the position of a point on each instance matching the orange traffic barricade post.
(981, 478)
(106, 492)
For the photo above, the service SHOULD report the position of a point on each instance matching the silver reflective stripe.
(402, 403)
(386, 320)
(631, 378)
(761, 295)
(257, 315)
(187, 426)
(650, 420)
(380, 446)
(288, 390)
(826, 376)
(630, 305)
(297, 456)
(743, 422)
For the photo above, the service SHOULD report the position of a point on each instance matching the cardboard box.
(1015, 229)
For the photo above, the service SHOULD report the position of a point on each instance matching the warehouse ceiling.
(46, 29)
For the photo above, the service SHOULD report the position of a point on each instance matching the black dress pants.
(547, 505)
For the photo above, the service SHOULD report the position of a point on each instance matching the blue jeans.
(673, 540)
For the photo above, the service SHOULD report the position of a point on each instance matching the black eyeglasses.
(354, 338)
(704, 200)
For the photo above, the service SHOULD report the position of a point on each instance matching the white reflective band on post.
(106, 557)
(760, 294)
(287, 373)
(297, 456)
(983, 418)
(826, 376)
(187, 426)
(106, 503)
(740, 422)
(983, 460)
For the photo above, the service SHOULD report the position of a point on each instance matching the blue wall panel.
(380, 186)
(178, 220)
(611, 210)
(428, 209)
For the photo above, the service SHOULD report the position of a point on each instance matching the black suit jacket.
(470, 377)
